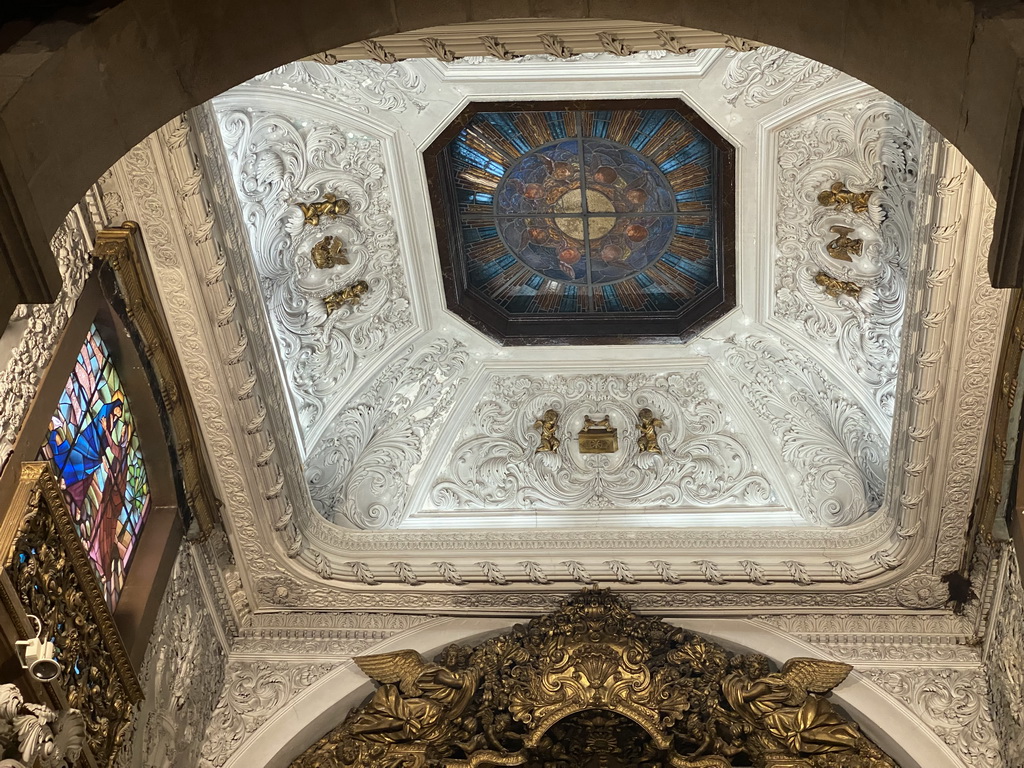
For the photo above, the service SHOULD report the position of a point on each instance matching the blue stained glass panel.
(94, 447)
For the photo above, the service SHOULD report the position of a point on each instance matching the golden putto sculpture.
(329, 206)
(329, 252)
(547, 424)
(838, 197)
(648, 427)
(593, 684)
(844, 247)
(835, 287)
(351, 294)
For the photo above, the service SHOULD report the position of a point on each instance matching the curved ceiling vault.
(819, 441)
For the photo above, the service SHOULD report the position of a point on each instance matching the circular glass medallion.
(585, 210)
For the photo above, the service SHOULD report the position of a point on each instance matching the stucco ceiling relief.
(271, 518)
(279, 163)
(704, 464)
(869, 144)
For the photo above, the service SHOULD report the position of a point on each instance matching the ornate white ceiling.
(384, 455)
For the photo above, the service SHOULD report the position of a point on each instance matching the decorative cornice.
(123, 249)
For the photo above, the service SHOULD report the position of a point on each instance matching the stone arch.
(137, 65)
(292, 729)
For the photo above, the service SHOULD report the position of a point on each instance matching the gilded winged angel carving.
(425, 698)
(788, 704)
(594, 684)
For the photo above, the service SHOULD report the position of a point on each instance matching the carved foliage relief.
(703, 461)
(836, 450)
(1006, 667)
(40, 327)
(870, 144)
(361, 471)
(767, 73)
(278, 163)
(182, 676)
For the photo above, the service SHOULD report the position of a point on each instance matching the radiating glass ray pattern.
(93, 444)
(586, 211)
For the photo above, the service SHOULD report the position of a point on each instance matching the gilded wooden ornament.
(838, 197)
(329, 252)
(598, 436)
(648, 427)
(844, 247)
(329, 206)
(593, 684)
(351, 294)
(53, 578)
(835, 287)
(547, 424)
(123, 249)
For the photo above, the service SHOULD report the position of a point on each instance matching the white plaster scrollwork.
(703, 462)
(41, 737)
(359, 85)
(38, 327)
(253, 691)
(278, 163)
(953, 703)
(181, 676)
(812, 417)
(870, 144)
(359, 473)
(766, 74)
(1005, 665)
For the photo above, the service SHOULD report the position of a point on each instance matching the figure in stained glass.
(95, 450)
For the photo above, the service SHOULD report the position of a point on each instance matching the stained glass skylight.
(94, 445)
(583, 222)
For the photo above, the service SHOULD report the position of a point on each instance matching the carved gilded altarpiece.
(594, 684)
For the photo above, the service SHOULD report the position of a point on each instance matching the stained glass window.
(583, 219)
(94, 445)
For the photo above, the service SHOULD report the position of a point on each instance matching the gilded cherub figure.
(843, 246)
(329, 252)
(417, 700)
(547, 424)
(351, 294)
(648, 426)
(790, 706)
(329, 206)
(839, 196)
(835, 287)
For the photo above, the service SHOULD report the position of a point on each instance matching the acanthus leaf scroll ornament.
(273, 163)
(824, 162)
(703, 461)
(554, 692)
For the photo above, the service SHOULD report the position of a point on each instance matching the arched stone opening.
(289, 733)
(126, 73)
